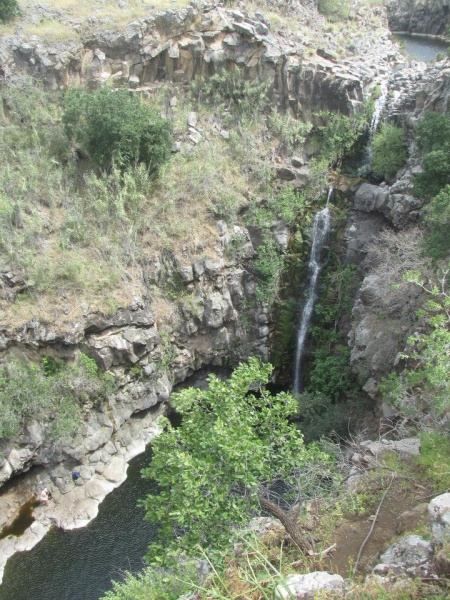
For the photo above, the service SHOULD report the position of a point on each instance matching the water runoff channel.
(80, 564)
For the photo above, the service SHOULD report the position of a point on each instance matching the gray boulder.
(410, 556)
(308, 586)
(439, 511)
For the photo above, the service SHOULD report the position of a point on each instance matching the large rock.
(309, 586)
(439, 511)
(410, 556)
(418, 16)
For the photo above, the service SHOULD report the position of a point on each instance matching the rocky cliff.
(418, 16)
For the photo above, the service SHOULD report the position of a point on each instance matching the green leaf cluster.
(8, 10)
(433, 132)
(437, 221)
(334, 10)
(235, 439)
(338, 134)
(51, 392)
(423, 387)
(116, 127)
(389, 150)
(233, 91)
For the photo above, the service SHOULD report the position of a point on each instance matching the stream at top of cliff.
(80, 564)
(421, 48)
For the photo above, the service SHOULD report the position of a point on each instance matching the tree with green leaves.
(389, 150)
(8, 10)
(216, 470)
(433, 132)
(116, 127)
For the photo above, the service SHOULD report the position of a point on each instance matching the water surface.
(79, 565)
(423, 49)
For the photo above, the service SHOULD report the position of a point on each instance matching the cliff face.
(179, 46)
(210, 324)
(384, 315)
(418, 16)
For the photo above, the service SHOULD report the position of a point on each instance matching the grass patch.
(51, 31)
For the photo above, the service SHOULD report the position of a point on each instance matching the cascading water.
(379, 106)
(321, 229)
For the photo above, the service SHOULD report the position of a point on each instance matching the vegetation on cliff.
(233, 454)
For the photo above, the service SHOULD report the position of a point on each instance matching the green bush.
(8, 10)
(437, 220)
(389, 151)
(231, 89)
(334, 10)
(115, 127)
(51, 392)
(433, 132)
(422, 390)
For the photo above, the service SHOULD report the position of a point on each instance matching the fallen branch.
(363, 545)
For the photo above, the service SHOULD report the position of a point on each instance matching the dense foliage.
(8, 10)
(334, 9)
(437, 220)
(433, 132)
(235, 441)
(50, 392)
(389, 150)
(231, 89)
(422, 389)
(115, 127)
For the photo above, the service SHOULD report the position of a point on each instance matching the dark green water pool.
(423, 49)
(79, 565)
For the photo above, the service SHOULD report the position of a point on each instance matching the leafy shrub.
(217, 467)
(437, 220)
(422, 390)
(231, 89)
(389, 151)
(51, 392)
(153, 584)
(116, 127)
(334, 10)
(292, 132)
(433, 132)
(8, 10)
(338, 134)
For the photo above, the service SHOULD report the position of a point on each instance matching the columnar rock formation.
(419, 16)
(198, 41)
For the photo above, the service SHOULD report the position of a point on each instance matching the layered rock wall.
(196, 42)
(419, 16)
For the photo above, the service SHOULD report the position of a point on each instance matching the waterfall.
(321, 228)
(379, 106)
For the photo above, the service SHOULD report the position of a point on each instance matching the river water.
(423, 49)
(79, 565)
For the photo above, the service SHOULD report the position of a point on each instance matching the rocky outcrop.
(199, 41)
(418, 16)
(409, 556)
(209, 327)
(310, 586)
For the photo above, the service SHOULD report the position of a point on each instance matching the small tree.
(116, 127)
(389, 151)
(219, 467)
(8, 10)
(335, 10)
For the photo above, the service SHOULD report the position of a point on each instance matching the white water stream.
(321, 228)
